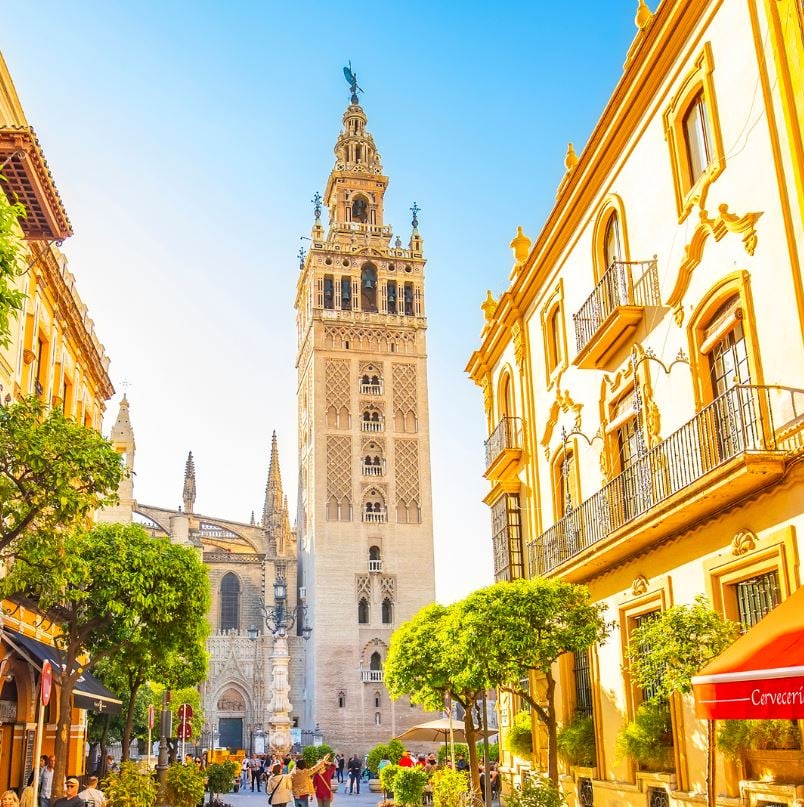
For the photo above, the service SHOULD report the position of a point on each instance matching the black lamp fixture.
(278, 618)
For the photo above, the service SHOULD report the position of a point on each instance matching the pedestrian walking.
(322, 784)
(302, 779)
(46, 780)
(279, 787)
(255, 767)
(355, 768)
(91, 795)
(71, 797)
(341, 760)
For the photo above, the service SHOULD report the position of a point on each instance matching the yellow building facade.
(643, 373)
(55, 354)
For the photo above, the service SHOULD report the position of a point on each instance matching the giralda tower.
(365, 521)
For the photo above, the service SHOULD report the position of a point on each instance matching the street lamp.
(279, 620)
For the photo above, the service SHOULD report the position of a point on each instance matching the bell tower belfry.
(364, 509)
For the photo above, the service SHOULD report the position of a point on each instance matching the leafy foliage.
(312, 753)
(576, 742)
(426, 660)
(129, 787)
(184, 785)
(409, 785)
(220, 776)
(103, 588)
(53, 473)
(10, 264)
(450, 788)
(519, 736)
(392, 751)
(648, 738)
(536, 791)
(735, 737)
(152, 696)
(535, 622)
(665, 652)
(462, 748)
(387, 777)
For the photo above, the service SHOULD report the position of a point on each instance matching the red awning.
(761, 675)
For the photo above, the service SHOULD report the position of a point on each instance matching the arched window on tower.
(230, 602)
(387, 611)
(360, 209)
(363, 612)
(368, 288)
(376, 662)
(375, 560)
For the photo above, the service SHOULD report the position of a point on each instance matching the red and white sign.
(47, 682)
(760, 694)
(184, 732)
(185, 712)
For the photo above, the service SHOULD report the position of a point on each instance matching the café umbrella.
(761, 675)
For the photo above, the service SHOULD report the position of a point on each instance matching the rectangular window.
(583, 684)
(392, 297)
(756, 598)
(408, 299)
(647, 693)
(506, 524)
(696, 138)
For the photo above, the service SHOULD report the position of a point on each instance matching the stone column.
(279, 721)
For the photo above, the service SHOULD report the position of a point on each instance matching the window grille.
(586, 795)
(642, 619)
(756, 598)
(507, 538)
(658, 797)
(583, 684)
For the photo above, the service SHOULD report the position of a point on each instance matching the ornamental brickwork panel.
(406, 469)
(339, 468)
(337, 384)
(404, 388)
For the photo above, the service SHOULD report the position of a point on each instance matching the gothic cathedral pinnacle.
(188, 495)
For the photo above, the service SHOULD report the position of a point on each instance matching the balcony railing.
(507, 435)
(634, 283)
(375, 565)
(374, 470)
(375, 518)
(371, 389)
(743, 420)
(371, 425)
(372, 676)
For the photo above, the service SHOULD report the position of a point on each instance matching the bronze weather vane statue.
(351, 78)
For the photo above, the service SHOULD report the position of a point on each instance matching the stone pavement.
(245, 798)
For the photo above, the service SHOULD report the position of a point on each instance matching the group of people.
(288, 780)
(74, 795)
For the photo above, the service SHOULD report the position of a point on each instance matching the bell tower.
(364, 509)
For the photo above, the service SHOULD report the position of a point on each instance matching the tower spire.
(188, 495)
(273, 487)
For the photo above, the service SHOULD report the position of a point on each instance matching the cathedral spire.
(273, 487)
(188, 494)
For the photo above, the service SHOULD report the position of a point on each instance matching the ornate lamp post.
(279, 620)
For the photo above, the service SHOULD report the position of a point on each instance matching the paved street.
(245, 798)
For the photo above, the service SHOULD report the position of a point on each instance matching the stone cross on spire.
(188, 494)
(273, 488)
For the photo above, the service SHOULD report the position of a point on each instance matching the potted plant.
(130, 787)
(185, 785)
(450, 788)
(536, 791)
(648, 738)
(409, 785)
(576, 742)
(769, 749)
(387, 777)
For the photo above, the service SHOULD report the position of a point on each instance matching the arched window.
(377, 700)
(377, 719)
(363, 612)
(387, 611)
(612, 245)
(565, 483)
(360, 209)
(368, 288)
(341, 699)
(553, 340)
(506, 397)
(376, 661)
(230, 602)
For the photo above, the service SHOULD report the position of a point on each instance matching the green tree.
(101, 587)
(521, 627)
(664, 653)
(426, 662)
(54, 473)
(172, 654)
(10, 264)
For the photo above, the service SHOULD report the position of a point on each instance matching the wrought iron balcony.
(735, 445)
(613, 310)
(372, 676)
(504, 445)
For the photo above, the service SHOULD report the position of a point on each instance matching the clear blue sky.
(187, 139)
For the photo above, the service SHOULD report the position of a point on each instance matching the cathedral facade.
(243, 561)
(364, 507)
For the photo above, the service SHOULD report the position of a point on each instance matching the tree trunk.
(67, 684)
(552, 730)
(127, 726)
(103, 747)
(471, 739)
(711, 769)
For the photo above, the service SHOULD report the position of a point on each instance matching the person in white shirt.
(91, 795)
